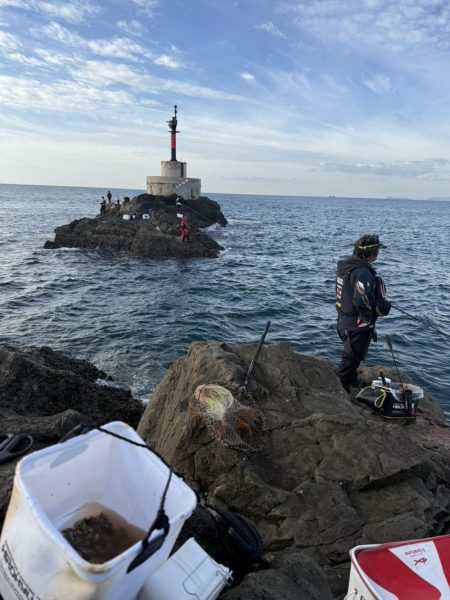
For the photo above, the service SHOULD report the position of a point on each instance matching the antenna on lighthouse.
(173, 129)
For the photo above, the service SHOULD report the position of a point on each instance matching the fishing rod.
(389, 343)
(421, 320)
(248, 375)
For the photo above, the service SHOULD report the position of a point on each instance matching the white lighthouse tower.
(173, 179)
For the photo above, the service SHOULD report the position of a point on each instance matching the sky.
(305, 98)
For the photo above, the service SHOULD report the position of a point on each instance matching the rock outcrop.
(45, 395)
(319, 474)
(325, 473)
(157, 236)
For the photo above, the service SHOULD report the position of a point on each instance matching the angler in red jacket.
(360, 300)
(184, 229)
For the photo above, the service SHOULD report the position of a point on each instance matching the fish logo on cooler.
(419, 561)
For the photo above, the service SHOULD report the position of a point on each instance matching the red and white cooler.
(412, 570)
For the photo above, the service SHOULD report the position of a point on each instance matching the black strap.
(162, 520)
(149, 548)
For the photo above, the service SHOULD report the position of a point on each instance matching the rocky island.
(319, 474)
(146, 226)
(150, 225)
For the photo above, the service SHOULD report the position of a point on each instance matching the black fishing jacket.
(360, 293)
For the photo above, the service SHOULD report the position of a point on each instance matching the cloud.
(25, 60)
(379, 84)
(53, 58)
(57, 32)
(382, 23)
(146, 6)
(8, 42)
(432, 168)
(108, 74)
(63, 96)
(335, 86)
(133, 27)
(120, 48)
(269, 27)
(116, 48)
(248, 77)
(75, 11)
(166, 61)
(14, 4)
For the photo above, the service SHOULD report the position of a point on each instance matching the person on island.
(360, 300)
(103, 207)
(109, 196)
(184, 229)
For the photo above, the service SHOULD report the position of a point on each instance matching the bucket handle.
(149, 548)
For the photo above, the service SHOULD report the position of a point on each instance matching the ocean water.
(133, 317)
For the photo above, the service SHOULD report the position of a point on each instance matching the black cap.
(368, 241)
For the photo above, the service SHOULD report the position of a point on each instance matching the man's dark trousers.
(356, 343)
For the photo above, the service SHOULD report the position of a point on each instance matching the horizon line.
(330, 196)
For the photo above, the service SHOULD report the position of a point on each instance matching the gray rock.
(45, 395)
(293, 574)
(273, 584)
(325, 473)
(156, 237)
(39, 382)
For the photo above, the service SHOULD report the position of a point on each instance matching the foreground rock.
(155, 237)
(45, 395)
(325, 475)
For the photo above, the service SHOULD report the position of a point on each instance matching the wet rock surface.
(326, 473)
(157, 236)
(45, 394)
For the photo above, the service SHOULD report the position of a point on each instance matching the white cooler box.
(189, 574)
(411, 570)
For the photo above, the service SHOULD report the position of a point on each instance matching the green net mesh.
(226, 418)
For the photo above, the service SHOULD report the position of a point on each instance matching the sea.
(134, 317)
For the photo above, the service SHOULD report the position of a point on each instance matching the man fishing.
(360, 300)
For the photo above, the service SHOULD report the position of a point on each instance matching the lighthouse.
(173, 179)
(173, 129)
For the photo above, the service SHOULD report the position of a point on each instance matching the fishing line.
(389, 343)
(421, 320)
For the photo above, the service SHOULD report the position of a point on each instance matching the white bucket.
(190, 573)
(50, 488)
